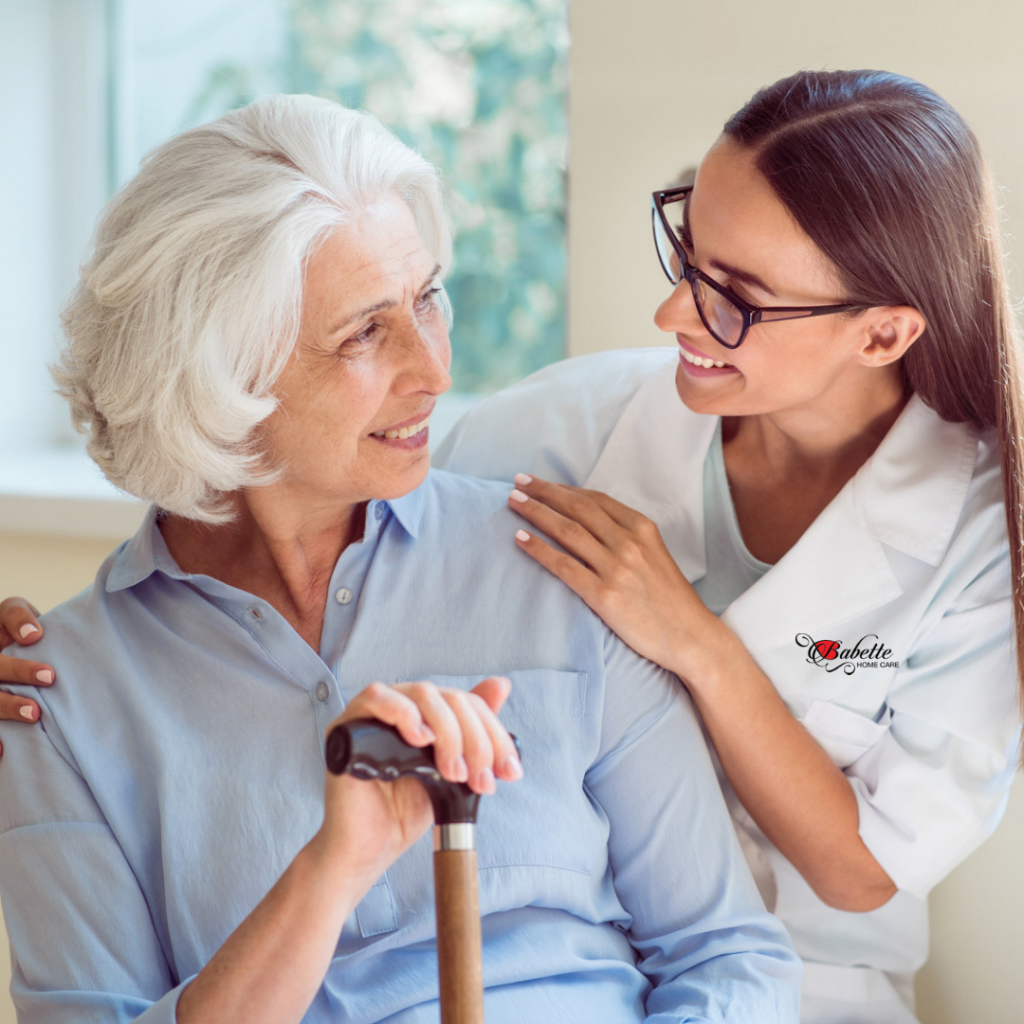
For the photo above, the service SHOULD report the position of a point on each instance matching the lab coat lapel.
(653, 462)
(834, 573)
(908, 495)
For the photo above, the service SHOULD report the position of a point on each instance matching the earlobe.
(891, 333)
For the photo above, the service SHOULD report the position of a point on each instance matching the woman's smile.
(697, 364)
(410, 433)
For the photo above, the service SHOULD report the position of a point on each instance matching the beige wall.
(652, 83)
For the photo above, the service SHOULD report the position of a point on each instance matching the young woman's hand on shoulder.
(19, 624)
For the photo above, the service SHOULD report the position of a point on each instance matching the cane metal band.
(460, 835)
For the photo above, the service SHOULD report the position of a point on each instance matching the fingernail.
(27, 630)
(522, 478)
(460, 769)
(427, 733)
(485, 781)
(518, 496)
(44, 676)
(512, 767)
(522, 535)
(27, 711)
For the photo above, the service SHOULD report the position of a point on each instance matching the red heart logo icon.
(828, 649)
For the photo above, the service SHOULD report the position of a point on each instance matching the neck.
(279, 547)
(828, 440)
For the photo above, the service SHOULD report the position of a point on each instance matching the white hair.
(188, 309)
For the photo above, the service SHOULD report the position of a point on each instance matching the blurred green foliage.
(479, 88)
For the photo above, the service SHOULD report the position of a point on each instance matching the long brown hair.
(888, 181)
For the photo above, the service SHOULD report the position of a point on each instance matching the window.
(477, 86)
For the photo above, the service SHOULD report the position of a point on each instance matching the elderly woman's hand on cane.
(290, 937)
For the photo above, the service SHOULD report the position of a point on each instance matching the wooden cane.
(369, 749)
(459, 967)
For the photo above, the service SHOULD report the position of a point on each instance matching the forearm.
(272, 965)
(801, 801)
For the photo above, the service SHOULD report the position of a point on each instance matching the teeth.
(702, 360)
(402, 433)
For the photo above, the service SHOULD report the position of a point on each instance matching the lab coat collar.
(909, 495)
(654, 461)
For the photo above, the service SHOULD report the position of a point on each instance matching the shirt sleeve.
(936, 784)
(84, 948)
(702, 935)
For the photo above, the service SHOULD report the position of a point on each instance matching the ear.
(888, 332)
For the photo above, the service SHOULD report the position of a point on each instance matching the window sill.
(59, 492)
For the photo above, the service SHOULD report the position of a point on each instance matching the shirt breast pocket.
(545, 819)
(844, 734)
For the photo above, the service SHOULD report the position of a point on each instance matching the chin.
(710, 401)
(396, 485)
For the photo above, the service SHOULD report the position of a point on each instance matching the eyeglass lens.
(720, 316)
(666, 250)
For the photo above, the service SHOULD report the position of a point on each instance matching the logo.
(867, 652)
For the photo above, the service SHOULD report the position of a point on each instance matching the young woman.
(803, 510)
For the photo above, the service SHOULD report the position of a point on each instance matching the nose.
(428, 355)
(678, 313)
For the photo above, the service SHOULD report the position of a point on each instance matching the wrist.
(341, 872)
(709, 665)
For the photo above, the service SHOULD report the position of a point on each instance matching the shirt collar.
(146, 552)
(408, 509)
(142, 555)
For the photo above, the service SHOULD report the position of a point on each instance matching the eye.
(366, 334)
(429, 297)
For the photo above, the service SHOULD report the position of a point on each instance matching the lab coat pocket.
(844, 734)
(544, 819)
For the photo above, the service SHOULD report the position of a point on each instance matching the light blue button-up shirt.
(179, 769)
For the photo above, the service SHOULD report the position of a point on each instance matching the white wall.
(653, 81)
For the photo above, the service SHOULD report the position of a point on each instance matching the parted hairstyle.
(889, 182)
(187, 309)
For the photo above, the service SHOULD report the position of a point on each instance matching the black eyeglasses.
(724, 314)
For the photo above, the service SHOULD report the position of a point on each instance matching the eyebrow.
(743, 276)
(378, 307)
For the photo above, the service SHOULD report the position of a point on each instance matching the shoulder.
(554, 423)
(978, 544)
(83, 621)
(469, 512)
(80, 636)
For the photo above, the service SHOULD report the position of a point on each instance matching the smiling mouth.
(702, 360)
(403, 432)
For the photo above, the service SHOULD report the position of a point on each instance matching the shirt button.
(343, 596)
(379, 513)
(323, 691)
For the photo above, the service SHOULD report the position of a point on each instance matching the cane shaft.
(460, 970)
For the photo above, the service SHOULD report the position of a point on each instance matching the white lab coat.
(913, 552)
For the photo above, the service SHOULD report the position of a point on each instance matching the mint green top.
(732, 569)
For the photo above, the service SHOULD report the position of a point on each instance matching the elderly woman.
(256, 347)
